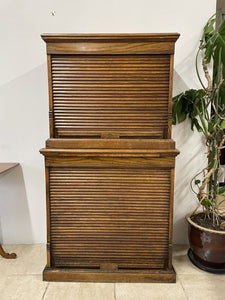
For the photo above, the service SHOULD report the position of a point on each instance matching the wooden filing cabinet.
(110, 158)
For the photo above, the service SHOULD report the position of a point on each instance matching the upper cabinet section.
(110, 86)
(110, 43)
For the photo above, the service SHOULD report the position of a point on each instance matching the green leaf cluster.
(188, 105)
(222, 191)
(207, 202)
(213, 43)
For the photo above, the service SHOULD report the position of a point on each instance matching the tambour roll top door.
(117, 215)
(121, 95)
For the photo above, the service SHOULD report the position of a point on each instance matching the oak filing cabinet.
(110, 158)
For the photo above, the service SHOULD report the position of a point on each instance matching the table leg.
(6, 255)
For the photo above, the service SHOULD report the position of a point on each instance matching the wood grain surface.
(110, 158)
(7, 166)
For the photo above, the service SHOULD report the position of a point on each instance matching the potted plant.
(206, 110)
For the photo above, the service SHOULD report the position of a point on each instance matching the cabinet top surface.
(150, 37)
(7, 166)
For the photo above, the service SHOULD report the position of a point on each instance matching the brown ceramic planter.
(207, 247)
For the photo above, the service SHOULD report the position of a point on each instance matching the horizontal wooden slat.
(115, 58)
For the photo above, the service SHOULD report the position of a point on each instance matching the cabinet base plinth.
(154, 275)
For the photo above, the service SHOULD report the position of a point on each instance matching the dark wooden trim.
(109, 152)
(110, 144)
(121, 37)
(51, 121)
(171, 218)
(110, 48)
(108, 161)
(48, 216)
(170, 98)
(167, 276)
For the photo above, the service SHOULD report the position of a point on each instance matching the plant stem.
(196, 68)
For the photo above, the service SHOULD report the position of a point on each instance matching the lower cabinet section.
(102, 216)
(109, 218)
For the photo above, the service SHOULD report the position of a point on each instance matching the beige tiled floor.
(21, 279)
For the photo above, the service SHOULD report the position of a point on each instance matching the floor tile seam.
(45, 291)
(181, 283)
(199, 274)
(20, 274)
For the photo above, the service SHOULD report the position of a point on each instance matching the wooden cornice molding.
(121, 37)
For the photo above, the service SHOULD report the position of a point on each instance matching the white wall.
(24, 94)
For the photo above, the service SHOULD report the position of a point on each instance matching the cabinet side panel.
(51, 122)
(171, 217)
(48, 215)
(169, 130)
